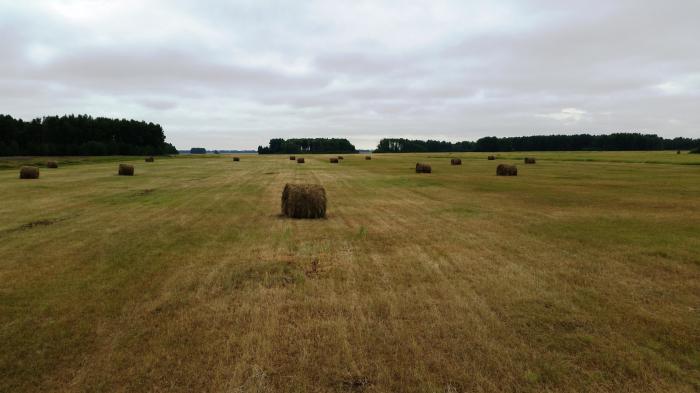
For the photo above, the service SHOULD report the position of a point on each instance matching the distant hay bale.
(423, 168)
(506, 170)
(149, 159)
(304, 201)
(368, 157)
(236, 158)
(333, 160)
(292, 158)
(52, 164)
(678, 152)
(529, 160)
(29, 172)
(300, 160)
(456, 161)
(126, 170)
(491, 158)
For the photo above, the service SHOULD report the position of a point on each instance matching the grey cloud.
(254, 70)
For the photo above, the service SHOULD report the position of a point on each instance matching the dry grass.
(578, 276)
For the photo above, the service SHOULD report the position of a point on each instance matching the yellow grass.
(580, 274)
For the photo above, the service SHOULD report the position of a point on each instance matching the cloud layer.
(225, 74)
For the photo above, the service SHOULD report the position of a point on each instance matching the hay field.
(581, 274)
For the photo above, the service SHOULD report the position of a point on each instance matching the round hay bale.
(368, 157)
(506, 170)
(529, 160)
(333, 160)
(423, 168)
(491, 158)
(304, 201)
(235, 159)
(29, 172)
(456, 161)
(149, 159)
(126, 170)
(292, 158)
(300, 160)
(52, 164)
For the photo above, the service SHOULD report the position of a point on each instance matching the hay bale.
(491, 158)
(52, 164)
(292, 158)
(334, 160)
(368, 157)
(300, 160)
(423, 168)
(235, 159)
(456, 161)
(678, 152)
(304, 201)
(506, 170)
(529, 160)
(126, 170)
(149, 159)
(29, 172)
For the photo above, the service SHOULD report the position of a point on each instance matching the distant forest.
(81, 135)
(620, 141)
(308, 145)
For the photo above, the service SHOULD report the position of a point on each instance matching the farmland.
(580, 274)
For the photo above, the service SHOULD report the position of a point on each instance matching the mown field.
(582, 274)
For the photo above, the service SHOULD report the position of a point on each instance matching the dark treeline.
(308, 145)
(81, 135)
(401, 145)
(620, 141)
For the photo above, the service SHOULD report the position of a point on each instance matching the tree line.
(617, 141)
(81, 135)
(308, 145)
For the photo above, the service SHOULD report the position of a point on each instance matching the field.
(581, 274)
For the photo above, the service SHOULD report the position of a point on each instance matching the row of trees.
(400, 145)
(81, 135)
(308, 145)
(618, 141)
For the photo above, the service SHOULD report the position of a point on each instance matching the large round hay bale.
(529, 160)
(300, 160)
(304, 201)
(491, 158)
(506, 170)
(333, 160)
(368, 157)
(423, 168)
(126, 170)
(51, 164)
(150, 159)
(236, 158)
(29, 172)
(456, 161)
(292, 158)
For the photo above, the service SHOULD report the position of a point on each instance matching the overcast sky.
(227, 74)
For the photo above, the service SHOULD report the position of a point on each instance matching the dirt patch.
(145, 192)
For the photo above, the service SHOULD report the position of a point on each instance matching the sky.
(233, 74)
